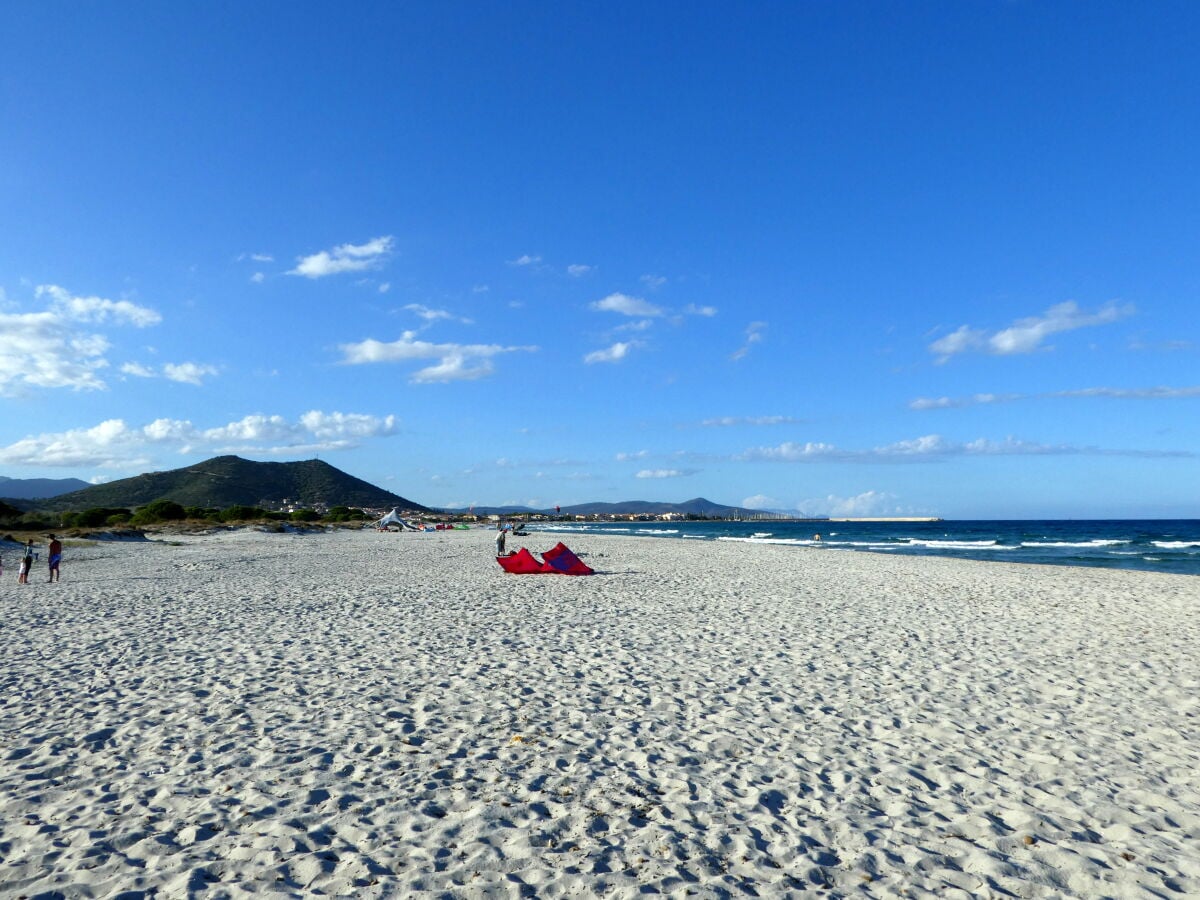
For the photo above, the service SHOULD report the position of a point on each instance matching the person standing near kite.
(26, 563)
(500, 537)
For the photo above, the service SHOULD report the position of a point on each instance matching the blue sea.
(1154, 545)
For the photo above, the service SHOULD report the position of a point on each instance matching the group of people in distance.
(53, 561)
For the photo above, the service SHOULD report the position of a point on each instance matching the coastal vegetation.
(166, 512)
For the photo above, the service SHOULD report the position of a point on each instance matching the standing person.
(26, 563)
(55, 552)
(500, 536)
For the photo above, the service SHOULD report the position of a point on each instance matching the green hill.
(232, 481)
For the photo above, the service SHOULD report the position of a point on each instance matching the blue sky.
(849, 258)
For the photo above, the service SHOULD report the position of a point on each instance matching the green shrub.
(94, 517)
(159, 511)
(305, 515)
(242, 514)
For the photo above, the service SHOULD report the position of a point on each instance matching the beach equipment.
(519, 563)
(390, 519)
(561, 560)
(558, 560)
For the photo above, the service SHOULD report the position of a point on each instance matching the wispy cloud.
(665, 473)
(435, 315)
(754, 335)
(1026, 335)
(185, 373)
(58, 346)
(653, 282)
(627, 306)
(693, 310)
(344, 258)
(116, 444)
(637, 454)
(258, 278)
(1150, 393)
(760, 501)
(578, 270)
(525, 259)
(934, 447)
(615, 353)
(97, 310)
(731, 421)
(188, 372)
(256, 257)
(456, 362)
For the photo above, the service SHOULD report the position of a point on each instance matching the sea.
(1153, 545)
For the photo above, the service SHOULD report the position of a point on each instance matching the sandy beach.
(377, 714)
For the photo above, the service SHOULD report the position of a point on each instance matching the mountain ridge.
(697, 506)
(38, 488)
(224, 481)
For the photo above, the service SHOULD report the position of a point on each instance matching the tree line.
(162, 511)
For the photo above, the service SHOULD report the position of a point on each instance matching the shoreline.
(390, 713)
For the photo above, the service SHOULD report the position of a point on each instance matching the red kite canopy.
(519, 563)
(559, 560)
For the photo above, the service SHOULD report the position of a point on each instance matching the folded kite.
(558, 561)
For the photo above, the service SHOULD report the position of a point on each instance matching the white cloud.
(1026, 335)
(1150, 393)
(934, 447)
(525, 260)
(188, 372)
(434, 315)
(665, 473)
(55, 347)
(693, 310)
(635, 327)
(615, 353)
(627, 306)
(256, 257)
(754, 335)
(790, 451)
(653, 282)
(728, 421)
(115, 444)
(138, 370)
(639, 454)
(458, 362)
(760, 501)
(384, 287)
(576, 270)
(868, 503)
(95, 310)
(345, 258)
(258, 278)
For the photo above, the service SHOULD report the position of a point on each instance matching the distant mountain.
(697, 507)
(38, 488)
(232, 481)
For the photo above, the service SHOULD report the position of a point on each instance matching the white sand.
(389, 714)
